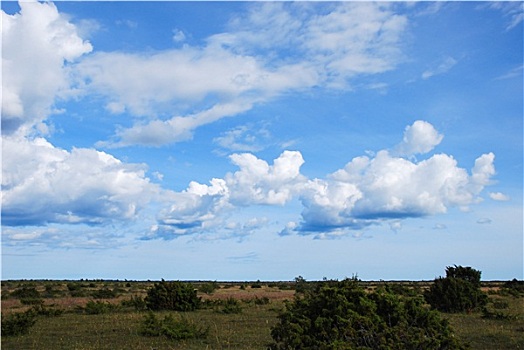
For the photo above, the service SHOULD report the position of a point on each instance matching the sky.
(238, 141)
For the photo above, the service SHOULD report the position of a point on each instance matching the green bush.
(104, 293)
(256, 284)
(26, 293)
(342, 315)
(136, 302)
(18, 323)
(513, 287)
(98, 307)
(231, 306)
(208, 287)
(261, 301)
(177, 296)
(459, 291)
(177, 329)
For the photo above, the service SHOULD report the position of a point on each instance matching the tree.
(342, 315)
(174, 295)
(459, 291)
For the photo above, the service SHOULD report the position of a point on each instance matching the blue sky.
(261, 140)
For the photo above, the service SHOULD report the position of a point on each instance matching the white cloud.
(498, 196)
(178, 35)
(514, 73)
(367, 191)
(176, 129)
(241, 67)
(43, 184)
(448, 63)
(37, 42)
(203, 208)
(244, 138)
(512, 9)
(419, 138)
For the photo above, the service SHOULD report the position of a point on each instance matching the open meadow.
(111, 315)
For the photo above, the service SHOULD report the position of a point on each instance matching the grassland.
(72, 327)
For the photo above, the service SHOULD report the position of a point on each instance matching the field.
(100, 315)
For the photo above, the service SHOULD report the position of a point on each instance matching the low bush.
(209, 287)
(514, 288)
(28, 293)
(104, 293)
(261, 301)
(177, 296)
(18, 323)
(459, 291)
(231, 306)
(256, 284)
(98, 307)
(177, 329)
(135, 301)
(342, 315)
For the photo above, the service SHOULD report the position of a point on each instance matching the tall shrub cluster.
(459, 291)
(342, 315)
(175, 295)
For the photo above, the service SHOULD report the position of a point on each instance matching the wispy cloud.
(514, 73)
(443, 67)
(513, 10)
(240, 67)
(244, 138)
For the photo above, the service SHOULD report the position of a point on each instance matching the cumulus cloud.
(369, 190)
(37, 42)
(203, 207)
(44, 184)
(419, 138)
(498, 196)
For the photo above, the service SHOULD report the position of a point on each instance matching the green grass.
(250, 329)
(490, 334)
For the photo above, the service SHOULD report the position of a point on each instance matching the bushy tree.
(18, 323)
(459, 291)
(177, 329)
(342, 315)
(175, 295)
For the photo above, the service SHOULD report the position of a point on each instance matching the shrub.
(26, 293)
(135, 301)
(261, 301)
(231, 306)
(98, 307)
(256, 284)
(174, 295)
(459, 291)
(513, 287)
(208, 287)
(172, 328)
(18, 323)
(104, 293)
(42, 310)
(341, 315)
